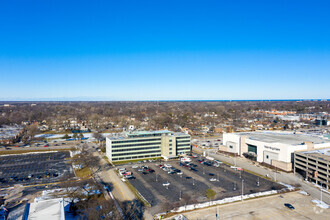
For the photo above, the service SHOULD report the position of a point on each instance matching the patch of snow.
(320, 204)
(287, 186)
(303, 193)
(41, 152)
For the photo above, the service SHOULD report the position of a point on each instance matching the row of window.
(136, 157)
(183, 137)
(136, 149)
(182, 141)
(134, 145)
(134, 153)
(137, 140)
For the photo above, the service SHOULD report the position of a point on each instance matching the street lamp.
(193, 182)
(258, 183)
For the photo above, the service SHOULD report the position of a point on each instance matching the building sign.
(272, 148)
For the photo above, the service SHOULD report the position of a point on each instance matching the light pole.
(193, 182)
(180, 195)
(203, 171)
(258, 183)
(242, 189)
(156, 178)
(235, 186)
(275, 172)
(240, 174)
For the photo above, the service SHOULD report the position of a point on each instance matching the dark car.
(188, 177)
(211, 174)
(144, 173)
(289, 206)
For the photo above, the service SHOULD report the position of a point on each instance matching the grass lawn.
(83, 173)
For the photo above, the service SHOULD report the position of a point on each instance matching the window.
(231, 147)
(267, 156)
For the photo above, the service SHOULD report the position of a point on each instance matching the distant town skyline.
(170, 50)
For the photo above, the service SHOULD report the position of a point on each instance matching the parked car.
(213, 179)
(289, 206)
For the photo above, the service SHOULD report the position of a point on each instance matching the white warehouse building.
(274, 148)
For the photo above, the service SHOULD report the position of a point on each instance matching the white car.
(213, 179)
(135, 166)
(166, 184)
(179, 173)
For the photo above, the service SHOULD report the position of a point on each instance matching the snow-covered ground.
(320, 204)
(56, 136)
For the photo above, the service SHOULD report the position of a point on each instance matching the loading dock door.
(252, 148)
(269, 156)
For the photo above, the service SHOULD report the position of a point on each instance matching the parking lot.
(34, 168)
(180, 183)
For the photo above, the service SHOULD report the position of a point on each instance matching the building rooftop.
(139, 134)
(323, 154)
(284, 137)
(50, 209)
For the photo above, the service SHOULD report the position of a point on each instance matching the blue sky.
(164, 50)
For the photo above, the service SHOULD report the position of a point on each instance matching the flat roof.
(50, 209)
(142, 134)
(284, 137)
(323, 154)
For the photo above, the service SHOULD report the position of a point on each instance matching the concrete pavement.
(271, 207)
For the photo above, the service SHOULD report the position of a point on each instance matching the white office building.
(274, 148)
(146, 144)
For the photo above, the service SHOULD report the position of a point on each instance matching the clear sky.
(164, 49)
